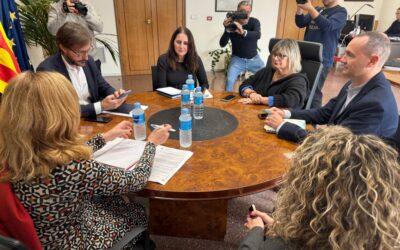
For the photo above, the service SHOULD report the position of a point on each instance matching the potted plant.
(216, 56)
(33, 15)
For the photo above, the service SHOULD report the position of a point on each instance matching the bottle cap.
(198, 89)
(137, 105)
(184, 86)
(190, 76)
(185, 111)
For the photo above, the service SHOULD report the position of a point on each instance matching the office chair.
(311, 64)
(154, 79)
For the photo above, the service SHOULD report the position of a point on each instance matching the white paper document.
(300, 123)
(170, 91)
(125, 153)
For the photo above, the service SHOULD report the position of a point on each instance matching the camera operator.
(323, 25)
(243, 31)
(77, 11)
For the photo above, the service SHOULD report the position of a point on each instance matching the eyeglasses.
(81, 52)
(279, 55)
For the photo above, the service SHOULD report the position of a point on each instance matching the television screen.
(365, 22)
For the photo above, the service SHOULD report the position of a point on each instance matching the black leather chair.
(11, 244)
(154, 77)
(311, 62)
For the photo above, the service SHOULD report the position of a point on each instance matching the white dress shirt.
(79, 81)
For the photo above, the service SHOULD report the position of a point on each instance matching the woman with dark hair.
(181, 60)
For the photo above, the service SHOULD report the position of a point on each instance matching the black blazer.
(97, 85)
(288, 92)
(372, 111)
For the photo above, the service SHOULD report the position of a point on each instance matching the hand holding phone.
(127, 92)
(228, 98)
(251, 209)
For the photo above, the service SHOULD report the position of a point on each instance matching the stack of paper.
(125, 153)
(300, 123)
(169, 92)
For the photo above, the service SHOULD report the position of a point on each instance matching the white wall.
(387, 14)
(352, 7)
(208, 33)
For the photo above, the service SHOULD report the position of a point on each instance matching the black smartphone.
(100, 119)
(127, 92)
(262, 116)
(228, 98)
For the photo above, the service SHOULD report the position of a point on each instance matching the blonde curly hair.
(39, 122)
(341, 192)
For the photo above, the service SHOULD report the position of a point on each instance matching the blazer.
(98, 87)
(289, 92)
(372, 111)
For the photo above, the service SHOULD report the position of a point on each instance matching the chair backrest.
(311, 63)
(154, 79)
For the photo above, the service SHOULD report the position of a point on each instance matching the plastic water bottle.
(139, 122)
(185, 130)
(198, 107)
(190, 85)
(185, 97)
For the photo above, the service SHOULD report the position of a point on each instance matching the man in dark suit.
(365, 104)
(73, 61)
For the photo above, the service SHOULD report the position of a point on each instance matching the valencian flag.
(8, 63)
(12, 28)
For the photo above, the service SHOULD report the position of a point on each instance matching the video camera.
(301, 1)
(234, 16)
(80, 7)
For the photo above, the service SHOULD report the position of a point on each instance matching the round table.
(194, 201)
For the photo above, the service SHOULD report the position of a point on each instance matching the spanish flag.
(8, 63)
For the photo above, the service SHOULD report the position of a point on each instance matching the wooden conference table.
(194, 201)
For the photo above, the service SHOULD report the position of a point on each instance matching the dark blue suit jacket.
(372, 111)
(97, 85)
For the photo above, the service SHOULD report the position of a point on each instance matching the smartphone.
(262, 116)
(251, 209)
(127, 92)
(100, 119)
(228, 98)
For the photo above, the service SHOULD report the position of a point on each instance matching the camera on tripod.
(80, 7)
(301, 1)
(235, 16)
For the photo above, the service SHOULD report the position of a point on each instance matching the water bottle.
(185, 97)
(185, 129)
(139, 124)
(198, 108)
(190, 85)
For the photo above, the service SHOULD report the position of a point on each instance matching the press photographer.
(244, 32)
(323, 25)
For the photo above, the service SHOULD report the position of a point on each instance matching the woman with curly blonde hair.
(74, 201)
(341, 192)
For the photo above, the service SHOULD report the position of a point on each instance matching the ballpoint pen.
(161, 126)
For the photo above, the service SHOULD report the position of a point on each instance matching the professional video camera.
(80, 7)
(234, 16)
(301, 1)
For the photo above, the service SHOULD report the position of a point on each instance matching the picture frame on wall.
(228, 5)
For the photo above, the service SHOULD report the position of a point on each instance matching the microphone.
(355, 13)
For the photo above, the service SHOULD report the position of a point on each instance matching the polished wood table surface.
(248, 160)
(393, 77)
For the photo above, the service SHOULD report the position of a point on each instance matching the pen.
(160, 126)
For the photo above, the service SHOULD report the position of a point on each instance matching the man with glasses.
(74, 62)
(244, 34)
(394, 29)
(323, 25)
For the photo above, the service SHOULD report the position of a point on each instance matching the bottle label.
(198, 100)
(185, 98)
(190, 86)
(186, 125)
(138, 119)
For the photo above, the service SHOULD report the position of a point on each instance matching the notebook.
(300, 123)
(169, 92)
